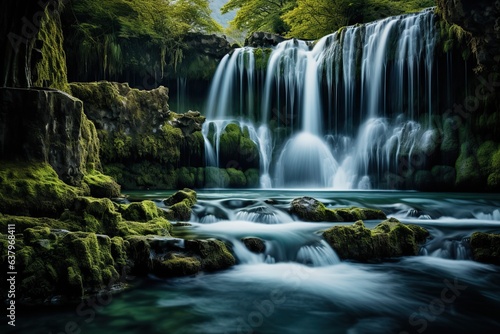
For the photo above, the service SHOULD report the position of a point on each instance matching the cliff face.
(49, 126)
(481, 18)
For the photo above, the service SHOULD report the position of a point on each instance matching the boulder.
(388, 239)
(310, 209)
(213, 254)
(254, 245)
(180, 204)
(485, 247)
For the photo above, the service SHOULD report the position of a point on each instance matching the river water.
(299, 285)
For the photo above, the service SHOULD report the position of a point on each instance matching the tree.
(259, 15)
(312, 19)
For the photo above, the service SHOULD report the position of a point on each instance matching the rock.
(468, 171)
(388, 239)
(236, 149)
(480, 19)
(424, 180)
(101, 186)
(141, 211)
(180, 204)
(34, 189)
(255, 245)
(213, 254)
(485, 247)
(142, 141)
(310, 209)
(450, 146)
(444, 176)
(175, 265)
(48, 126)
(263, 40)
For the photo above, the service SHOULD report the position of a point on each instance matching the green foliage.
(259, 15)
(312, 19)
(110, 36)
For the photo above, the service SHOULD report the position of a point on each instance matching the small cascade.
(318, 255)
(446, 248)
(351, 86)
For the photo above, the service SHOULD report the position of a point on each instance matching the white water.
(352, 84)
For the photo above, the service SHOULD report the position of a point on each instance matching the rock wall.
(49, 126)
(481, 19)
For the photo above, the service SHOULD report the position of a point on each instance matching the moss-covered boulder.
(468, 171)
(213, 254)
(388, 239)
(485, 247)
(141, 211)
(175, 265)
(101, 185)
(180, 204)
(237, 149)
(310, 209)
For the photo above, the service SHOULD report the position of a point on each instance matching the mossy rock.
(141, 211)
(34, 189)
(236, 147)
(180, 204)
(253, 178)
(158, 226)
(485, 155)
(101, 213)
(485, 247)
(310, 209)
(468, 173)
(101, 186)
(216, 178)
(139, 255)
(444, 177)
(175, 265)
(70, 264)
(424, 180)
(237, 178)
(388, 239)
(213, 254)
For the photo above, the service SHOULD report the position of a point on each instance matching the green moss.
(186, 177)
(216, 178)
(176, 265)
(101, 185)
(262, 57)
(467, 169)
(485, 155)
(213, 253)
(253, 177)
(51, 71)
(485, 247)
(310, 209)
(157, 226)
(34, 189)
(104, 212)
(388, 239)
(237, 178)
(141, 211)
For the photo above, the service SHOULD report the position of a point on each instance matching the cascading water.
(355, 85)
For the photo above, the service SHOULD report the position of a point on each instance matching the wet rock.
(388, 239)
(180, 204)
(485, 247)
(213, 253)
(176, 265)
(310, 209)
(263, 39)
(254, 245)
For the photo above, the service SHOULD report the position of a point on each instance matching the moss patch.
(390, 238)
(33, 189)
(310, 209)
(485, 247)
(101, 185)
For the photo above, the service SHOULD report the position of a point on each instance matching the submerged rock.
(254, 245)
(310, 209)
(388, 239)
(485, 247)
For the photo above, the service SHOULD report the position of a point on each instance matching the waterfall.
(369, 84)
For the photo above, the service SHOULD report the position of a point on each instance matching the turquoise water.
(296, 287)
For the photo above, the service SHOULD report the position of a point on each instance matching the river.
(299, 285)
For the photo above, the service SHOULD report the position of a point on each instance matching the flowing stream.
(299, 285)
